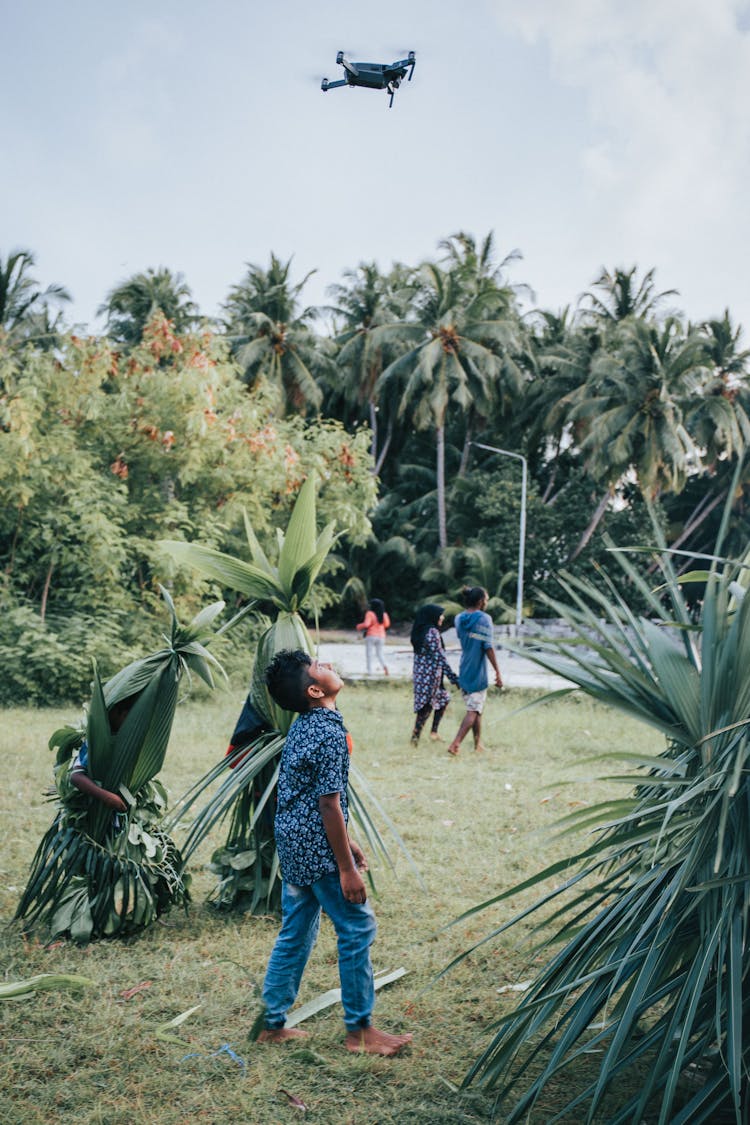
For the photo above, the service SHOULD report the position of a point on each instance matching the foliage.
(25, 309)
(103, 452)
(97, 873)
(648, 961)
(247, 865)
(132, 304)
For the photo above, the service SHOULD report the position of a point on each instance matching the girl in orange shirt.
(374, 626)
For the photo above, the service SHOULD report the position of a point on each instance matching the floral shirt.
(314, 762)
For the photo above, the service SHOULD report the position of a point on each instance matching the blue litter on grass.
(225, 1049)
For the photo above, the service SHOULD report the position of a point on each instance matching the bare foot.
(370, 1041)
(453, 749)
(436, 737)
(479, 747)
(281, 1034)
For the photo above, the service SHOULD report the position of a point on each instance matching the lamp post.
(522, 533)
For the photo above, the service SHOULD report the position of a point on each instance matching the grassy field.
(474, 825)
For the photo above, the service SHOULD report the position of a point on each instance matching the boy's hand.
(360, 859)
(353, 886)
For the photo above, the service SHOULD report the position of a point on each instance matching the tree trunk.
(442, 527)
(374, 432)
(593, 524)
(386, 446)
(464, 464)
(45, 591)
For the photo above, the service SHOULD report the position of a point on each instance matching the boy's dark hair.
(473, 595)
(288, 678)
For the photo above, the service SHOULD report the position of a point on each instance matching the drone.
(373, 76)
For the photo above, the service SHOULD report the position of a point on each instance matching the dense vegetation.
(167, 425)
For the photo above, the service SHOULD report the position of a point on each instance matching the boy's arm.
(87, 785)
(352, 883)
(493, 661)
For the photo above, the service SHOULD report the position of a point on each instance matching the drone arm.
(326, 85)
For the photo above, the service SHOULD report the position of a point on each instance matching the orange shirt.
(373, 627)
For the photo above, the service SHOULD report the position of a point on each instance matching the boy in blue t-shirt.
(320, 866)
(474, 629)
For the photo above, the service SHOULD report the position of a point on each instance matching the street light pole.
(522, 530)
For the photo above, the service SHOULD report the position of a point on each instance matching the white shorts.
(475, 700)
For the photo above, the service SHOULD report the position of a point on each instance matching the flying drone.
(373, 76)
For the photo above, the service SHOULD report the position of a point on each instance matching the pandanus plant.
(247, 864)
(646, 986)
(102, 873)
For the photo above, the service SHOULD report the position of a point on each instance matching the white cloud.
(666, 160)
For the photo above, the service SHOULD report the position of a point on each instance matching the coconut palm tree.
(459, 337)
(272, 336)
(131, 305)
(366, 301)
(25, 308)
(646, 952)
(620, 296)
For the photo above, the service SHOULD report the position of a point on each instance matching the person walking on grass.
(321, 868)
(430, 665)
(374, 627)
(474, 628)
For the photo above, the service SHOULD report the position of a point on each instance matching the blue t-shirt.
(474, 629)
(314, 762)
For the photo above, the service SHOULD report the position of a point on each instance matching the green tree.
(272, 336)
(134, 302)
(25, 308)
(459, 336)
(365, 302)
(619, 295)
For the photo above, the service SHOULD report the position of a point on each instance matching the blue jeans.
(300, 921)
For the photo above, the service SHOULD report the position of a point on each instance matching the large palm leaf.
(648, 944)
(247, 864)
(99, 874)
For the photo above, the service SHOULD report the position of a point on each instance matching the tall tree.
(366, 301)
(25, 308)
(132, 304)
(459, 337)
(271, 335)
(619, 295)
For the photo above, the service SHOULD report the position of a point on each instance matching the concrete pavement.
(349, 658)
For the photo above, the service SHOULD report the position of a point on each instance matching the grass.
(474, 825)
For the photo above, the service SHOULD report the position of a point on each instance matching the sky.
(583, 133)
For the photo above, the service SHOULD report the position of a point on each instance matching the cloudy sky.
(195, 136)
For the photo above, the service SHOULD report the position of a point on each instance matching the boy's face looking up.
(325, 686)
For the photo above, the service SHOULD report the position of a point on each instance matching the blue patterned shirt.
(314, 762)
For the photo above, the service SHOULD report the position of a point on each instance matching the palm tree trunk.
(386, 446)
(593, 524)
(464, 463)
(374, 432)
(45, 591)
(442, 527)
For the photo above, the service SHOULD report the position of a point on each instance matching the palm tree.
(632, 410)
(460, 335)
(272, 337)
(622, 297)
(24, 306)
(368, 300)
(718, 418)
(131, 304)
(648, 959)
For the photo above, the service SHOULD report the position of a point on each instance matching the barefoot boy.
(320, 865)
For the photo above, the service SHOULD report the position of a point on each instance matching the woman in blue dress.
(430, 665)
